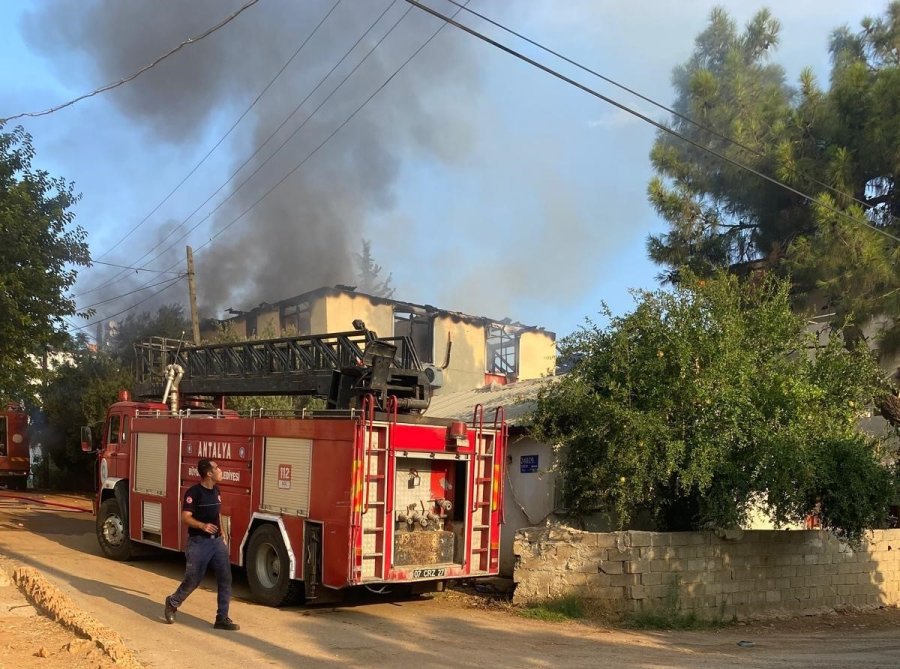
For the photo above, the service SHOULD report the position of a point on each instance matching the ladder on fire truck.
(340, 366)
(376, 527)
(486, 490)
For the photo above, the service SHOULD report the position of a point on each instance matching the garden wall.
(752, 573)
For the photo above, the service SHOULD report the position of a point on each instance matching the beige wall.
(537, 355)
(268, 324)
(341, 310)
(738, 573)
(466, 370)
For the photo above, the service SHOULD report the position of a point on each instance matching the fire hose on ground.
(25, 498)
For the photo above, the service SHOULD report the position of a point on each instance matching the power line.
(136, 304)
(126, 267)
(646, 119)
(259, 148)
(131, 292)
(336, 130)
(115, 84)
(291, 136)
(228, 133)
(660, 105)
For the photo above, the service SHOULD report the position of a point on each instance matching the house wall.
(529, 495)
(716, 576)
(537, 355)
(268, 324)
(341, 310)
(466, 369)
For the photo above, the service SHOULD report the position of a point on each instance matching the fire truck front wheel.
(112, 531)
(269, 567)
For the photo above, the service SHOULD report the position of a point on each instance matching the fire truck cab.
(15, 458)
(365, 493)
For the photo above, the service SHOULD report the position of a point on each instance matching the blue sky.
(486, 186)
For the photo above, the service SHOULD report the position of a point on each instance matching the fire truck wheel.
(112, 531)
(268, 568)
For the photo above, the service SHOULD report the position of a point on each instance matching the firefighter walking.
(206, 546)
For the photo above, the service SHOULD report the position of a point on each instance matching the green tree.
(368, 274)
(168, 321)
(78, 393)
(710, 397)
(41, 249)
(838, 145)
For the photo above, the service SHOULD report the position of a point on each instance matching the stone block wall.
(750, 573)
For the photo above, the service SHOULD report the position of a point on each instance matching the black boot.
(226, 624)
(169, 612)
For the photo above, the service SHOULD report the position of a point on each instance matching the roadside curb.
(59, 607)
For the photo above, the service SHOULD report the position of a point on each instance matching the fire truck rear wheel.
(112, 531)
(269, 568)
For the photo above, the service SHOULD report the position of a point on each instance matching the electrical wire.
(171, 283)
(227, 133)
(131, 292)
(660, 105)
(255, 152)
(643, 117)
(115, 84)
(334, 132)
(136, 269)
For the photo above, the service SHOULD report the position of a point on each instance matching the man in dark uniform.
(206, 545)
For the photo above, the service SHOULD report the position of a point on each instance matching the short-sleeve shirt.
(204, 504)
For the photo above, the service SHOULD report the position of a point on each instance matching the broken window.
(419, 328)
(295, 319)
(502, 350)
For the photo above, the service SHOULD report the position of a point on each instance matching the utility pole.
(192, 293)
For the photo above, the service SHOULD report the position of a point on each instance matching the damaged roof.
(410, 307)
(517, 399)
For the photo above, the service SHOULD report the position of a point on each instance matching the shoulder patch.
(189, 499)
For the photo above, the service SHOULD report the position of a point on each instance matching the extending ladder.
(485, 493)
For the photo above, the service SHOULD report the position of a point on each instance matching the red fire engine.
(367, 492)
(15, 461)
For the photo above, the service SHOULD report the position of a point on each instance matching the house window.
(502, 350)
(420, 329)
(3, 452)
(295, 319)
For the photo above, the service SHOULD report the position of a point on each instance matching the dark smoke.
(305, 233)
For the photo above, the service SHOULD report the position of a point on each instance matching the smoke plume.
(304, 234)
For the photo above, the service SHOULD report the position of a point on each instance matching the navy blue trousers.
(202, 553)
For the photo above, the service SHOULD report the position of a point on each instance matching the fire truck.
(15, 461)
(365, 492)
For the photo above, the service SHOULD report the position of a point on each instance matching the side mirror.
(87, 442)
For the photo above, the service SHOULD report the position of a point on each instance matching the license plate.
(428, 573)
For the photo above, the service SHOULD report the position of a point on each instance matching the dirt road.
(127, 597)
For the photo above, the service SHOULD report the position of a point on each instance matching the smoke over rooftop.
(304, 233)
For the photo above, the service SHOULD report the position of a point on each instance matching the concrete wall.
(537, 355)
(268, 324)
(466, 370)
(343, 309)
(741, 573)
(528, 496)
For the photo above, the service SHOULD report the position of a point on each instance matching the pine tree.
(368, 274)
(841, 146)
